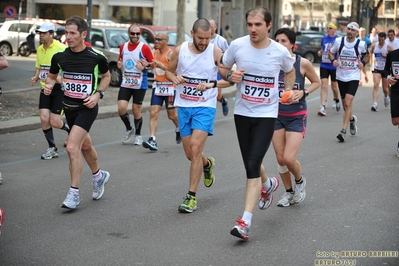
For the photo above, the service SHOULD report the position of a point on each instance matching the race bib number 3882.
(77, 85)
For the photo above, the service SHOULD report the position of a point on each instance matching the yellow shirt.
(43, 59)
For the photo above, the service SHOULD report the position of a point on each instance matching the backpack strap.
(343, 44)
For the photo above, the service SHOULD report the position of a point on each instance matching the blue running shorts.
(199, 118)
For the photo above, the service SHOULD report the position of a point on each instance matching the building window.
(132, 14)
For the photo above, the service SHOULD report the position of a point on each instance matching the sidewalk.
(32, 123)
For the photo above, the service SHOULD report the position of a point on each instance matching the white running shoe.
(127, 136)
(300, 192)
(71, 201)
(240, 230)
(99, 184)
(266, 197)
(352, 125)
(50, 154)
(138, 140)
(286, 200)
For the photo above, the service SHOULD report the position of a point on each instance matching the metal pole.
(220, 16)
(89, 10)
(19, 24)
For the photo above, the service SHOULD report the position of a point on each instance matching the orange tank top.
(160, 73)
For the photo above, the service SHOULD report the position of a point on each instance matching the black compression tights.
(254, 137)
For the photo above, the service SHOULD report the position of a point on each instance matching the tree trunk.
(181, 21)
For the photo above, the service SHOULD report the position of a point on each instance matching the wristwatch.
(101, 93)
(228, 77)
(305, 92)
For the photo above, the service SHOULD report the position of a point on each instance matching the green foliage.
(51, 11)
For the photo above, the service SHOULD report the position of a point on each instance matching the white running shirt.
(257, 94)
(196, 68)
(348, 60)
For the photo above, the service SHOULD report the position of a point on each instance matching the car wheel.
(116, 75)
(5, 49)
(24, 50)
(310, 57)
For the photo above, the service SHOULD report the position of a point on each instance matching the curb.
(108, 111)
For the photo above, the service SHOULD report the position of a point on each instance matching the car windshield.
(173, 36)
(116, 37)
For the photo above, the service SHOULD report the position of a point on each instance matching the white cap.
(46, 27)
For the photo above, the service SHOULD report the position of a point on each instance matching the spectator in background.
(228, 34)
(327, 70)
(374, 39)
(363, 37)
(394, 42)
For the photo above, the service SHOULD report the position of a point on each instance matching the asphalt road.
(351, 202)
(17, 76)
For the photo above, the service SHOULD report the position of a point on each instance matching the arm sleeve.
(228, 59)
(120, 52)
(388, 63)
(103, 64)
(54, 68)
(147, 53)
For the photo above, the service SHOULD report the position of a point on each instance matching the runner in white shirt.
(258, 60)
(352, 57)
(222, 43)
(380, 51)
(394, 42)
(193, 69)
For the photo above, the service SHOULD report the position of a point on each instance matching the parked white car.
(11, 38)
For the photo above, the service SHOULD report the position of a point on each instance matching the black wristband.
(332, 60)
(364, 63)
(215, 83)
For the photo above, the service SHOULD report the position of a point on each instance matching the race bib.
(132, 80)
(44, 71)
(256, 89)
(77, 85)
(190, 93)
(379, 61)
(164, 89)
(395, 69)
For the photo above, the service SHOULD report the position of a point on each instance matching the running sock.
(74, 190)
(137, 124)
(290, 190)
(126, 120)
(97, 174)
(336, 100)
(191, 193)
(300, 181)
(65, 127)
(48, 134)
(153, 138)
(247, 217)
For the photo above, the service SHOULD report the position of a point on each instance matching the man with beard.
(134, 58)
(193, 69)
(353, 55)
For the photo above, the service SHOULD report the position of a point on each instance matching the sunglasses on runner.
(159, 39)
(135, 33)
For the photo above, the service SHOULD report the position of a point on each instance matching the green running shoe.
(189, 204)
(209, 177)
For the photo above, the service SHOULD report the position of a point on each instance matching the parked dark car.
(307, 46)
